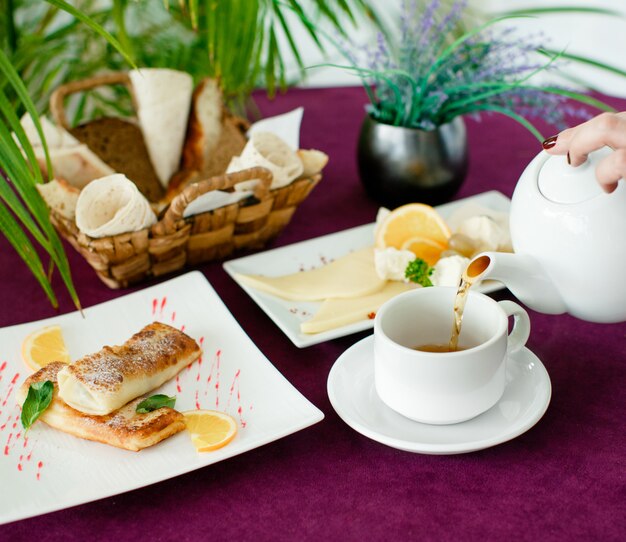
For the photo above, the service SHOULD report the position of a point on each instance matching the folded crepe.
(70, 160)
(78, 165)
(163, 99)
(313, 162)
(57, 137)
(123, 428)
(60, 196)
(265, 149)
(112, 205)
(105, 381)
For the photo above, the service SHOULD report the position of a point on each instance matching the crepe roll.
(105, 381)
(124, 428)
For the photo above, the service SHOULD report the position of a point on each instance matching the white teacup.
(444, 387)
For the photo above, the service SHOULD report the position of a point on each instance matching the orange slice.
(44, 346)
(411, 220)
(210, 429)
(430, 251)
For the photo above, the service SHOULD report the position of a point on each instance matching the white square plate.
(288, 315)
(48, 470)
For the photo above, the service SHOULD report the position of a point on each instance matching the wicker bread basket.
(175, 242)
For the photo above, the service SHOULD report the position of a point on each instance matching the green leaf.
(14, 79)
(37, 401)
(24, 248)
(512, 114)
(94, 26)
(560, 11)
(585, 60)
(583, 98)
(457, 43)
(154, 402)
(419, 271)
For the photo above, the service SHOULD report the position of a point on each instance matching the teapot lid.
(562, 183)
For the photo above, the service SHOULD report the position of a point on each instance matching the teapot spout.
(522, 275)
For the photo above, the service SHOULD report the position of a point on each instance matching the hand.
(607, 129)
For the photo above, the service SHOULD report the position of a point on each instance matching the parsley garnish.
(419, 271)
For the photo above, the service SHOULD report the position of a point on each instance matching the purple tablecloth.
(565, 479)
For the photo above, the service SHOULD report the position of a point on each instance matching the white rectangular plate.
(288, 315)
(48, 470)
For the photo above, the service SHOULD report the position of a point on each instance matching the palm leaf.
(94, 26)
(22, 245)
(21, 207)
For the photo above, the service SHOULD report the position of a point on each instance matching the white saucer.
(353, 395)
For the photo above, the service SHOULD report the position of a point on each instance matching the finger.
(611, 169)
(561, 143)
(606, 129)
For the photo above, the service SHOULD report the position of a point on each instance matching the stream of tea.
(472, 272)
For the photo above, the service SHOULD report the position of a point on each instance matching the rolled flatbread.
(313, 161)
(265, 149)
(71, 160)
(124, 428)
(103, 382)
(163, 99)
(112, 205)
(77, 165)
(60, 196)
(56, 136)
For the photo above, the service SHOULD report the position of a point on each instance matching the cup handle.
(521, 325)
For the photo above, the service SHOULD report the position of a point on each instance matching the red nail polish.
(569, 160)
(549, 143)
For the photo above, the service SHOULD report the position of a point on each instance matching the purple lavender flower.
(422, 80)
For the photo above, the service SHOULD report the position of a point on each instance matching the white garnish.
(448, 271)
(391, 263)
(484, 231)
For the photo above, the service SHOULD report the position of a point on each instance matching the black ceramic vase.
(400, 165)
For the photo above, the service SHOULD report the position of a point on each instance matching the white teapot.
(569, 239)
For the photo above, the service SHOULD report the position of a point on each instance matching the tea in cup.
(416, 372)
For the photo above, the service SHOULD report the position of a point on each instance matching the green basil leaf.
(155, 401)
(37, 401)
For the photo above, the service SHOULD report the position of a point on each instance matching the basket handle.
(57, 99)
(174, 214)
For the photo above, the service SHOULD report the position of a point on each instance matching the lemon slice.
(44, 346)
(427, 249)
(210, 429)
(410, 221)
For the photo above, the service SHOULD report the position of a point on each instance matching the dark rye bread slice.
(121, 145)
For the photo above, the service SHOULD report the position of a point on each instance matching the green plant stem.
(560, 11)
(120, 23)
(511, 114)
(451, 48)
(10, 29)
